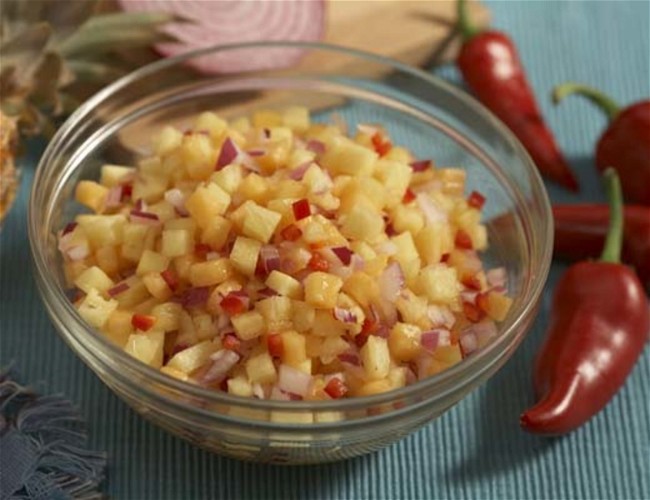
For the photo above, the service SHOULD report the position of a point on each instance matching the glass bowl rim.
(458, 374)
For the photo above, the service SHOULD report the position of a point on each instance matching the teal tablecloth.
(476, 450)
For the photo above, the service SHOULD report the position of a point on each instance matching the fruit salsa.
(277, 258)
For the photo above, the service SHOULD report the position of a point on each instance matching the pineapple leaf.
(49, 74)
(87, 71)
(122, 20)
(28, 44)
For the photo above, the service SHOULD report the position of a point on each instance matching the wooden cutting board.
(415, 32)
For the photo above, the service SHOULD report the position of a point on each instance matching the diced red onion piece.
(297, 173)
(118, 289)
(411, 377)
(258, 391)
(441, 316)
(423, 365)
(484, 331)
(267, 292)
(278, 394)
(223, 23)
(249, 163)
(195, 296)
(221, 363)
(228, 154)
(315, 146)
(270, 256)
(344, 315)
(114, 197)
(382, 331)
(344, 254)
(176, 198)
(145, 218)
(223, 322)
(350, 358)
(256, 152)
(357, 263)
(420, 165)
(140, 205)
(497, 277)
(468, 341)
(391, 281)
(71, 226)
(294, 381)
(432, 339)
(432, 213)
(469, 296)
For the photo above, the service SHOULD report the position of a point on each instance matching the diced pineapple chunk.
(413, 309)
(284, 285)
(326, 325)
(294, 351)
(149, 188)
(296, 118)
(497, 306)
(244, 255)
(93, 278)
(95, 309)
(331, 347)
(248, 325)
(255, 188)
(407, 255)
(343, 156)
(118, 327)
(114, 175)
(362, 288)
(135, 294)
(239, 386)
(211, 123)
(102, 230)
(449, 354)
(440, 283)
(199, 156)
(260, 223)
(316, 179)
(375, 358)
(176, 242)
(260, 369)
(185, 223)
(364, 224)
(211, 272)
(156, 286)
(375, 387)
(174, 373)
(168, 140)
(396, 177)
(407, 218)
(167, 316)
(453, 180)
(277, 312)
(433, 242)
(303, 316)
(228, 178)
(322, 289)
(266, 118)
(216, 234)
(147, 347)
(207, 202)
(91, 195)
(152, 262)
(192, 358)
(404, 341)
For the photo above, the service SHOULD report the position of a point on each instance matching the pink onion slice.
(391, 282)
(146, 218)
(78, 252)
(441, 316)
(256, 152)
(420, 165)
(350, 358)
(258, 391)
(468, 341)
(118, 289)
(223, 23)
(344, 254)
(294, 381)
(221, 363)
(432, 339)
(270, 257)
(297, 173)
(344, 315)
(228, 154)
(432, 213)
(196, 296)
(497, 277)
(114, 197)
(315, 146)
(176, 198)
(71, 226)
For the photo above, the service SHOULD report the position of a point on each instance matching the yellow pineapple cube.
(118, 327)
(453, 180)
(217, 232)
(211, 123)
(343, 156)
(211, 272)
(396, 177)
(260, 223)
(152, 262)
(400, 154)
(228, 178)
(135, 294)
(167, 316)
(277, 312)
(254, 187)
(362, 288)
(207, 202)
(174, 373)
(331, 347)
(303, 315)
(497, 306)
(296, 118)
(176, 243)
(192, 358)
(136, 238)
(404, 341)
(448, 354)
(365, 191)
(185, 223)
(316, 179)
(364, 224)
(147, 347)
(374, 387)
(150, 188)
(407, 218)
(199, 156)
(326, 325)
(156, 286)
(440, 284)
(260, 369)
(397, 377)
(93, 278)
(375, 358)
(167, 141)
(239, 386)
(102, 230)
(249, 325)
(413, 308)
(95, 310)
(204, 327)
(114, 175)
(164, 210)
(108, 259)
(434, 241)
(265, 118)
(91, 195)
(294, 351)
(244, 255)
(284, 285)
(322, 289)
(288, 188)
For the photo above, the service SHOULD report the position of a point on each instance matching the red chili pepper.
(275, 345)
(336, 388)
(492, 69)
(625, 144)
(142, 322)
(598, 328)
(580, 232)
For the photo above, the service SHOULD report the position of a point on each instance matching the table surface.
(476, 450)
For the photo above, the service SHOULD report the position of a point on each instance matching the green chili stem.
(467, 29)
(605, 103)
(614, 241)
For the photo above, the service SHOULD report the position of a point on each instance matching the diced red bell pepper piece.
(291, 232)
(472, 312)
(230, 342)
(472, 282)
(301, 209)
(463, 240)
(476, 200)
(143, 322)
(201, 250)
(336, 388)
(409, 196)
(275, 345)
(233, 304)
(381, 144)
(170, 278)
(318, 263)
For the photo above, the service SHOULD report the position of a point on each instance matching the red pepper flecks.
(580, 232)
(598, 328)
(492, 69)
(625, 144)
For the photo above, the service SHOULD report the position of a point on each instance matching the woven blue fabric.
(476, 450)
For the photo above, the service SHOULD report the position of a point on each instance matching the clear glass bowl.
(432, 118)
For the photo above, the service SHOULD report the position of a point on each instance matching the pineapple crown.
(55, 54)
